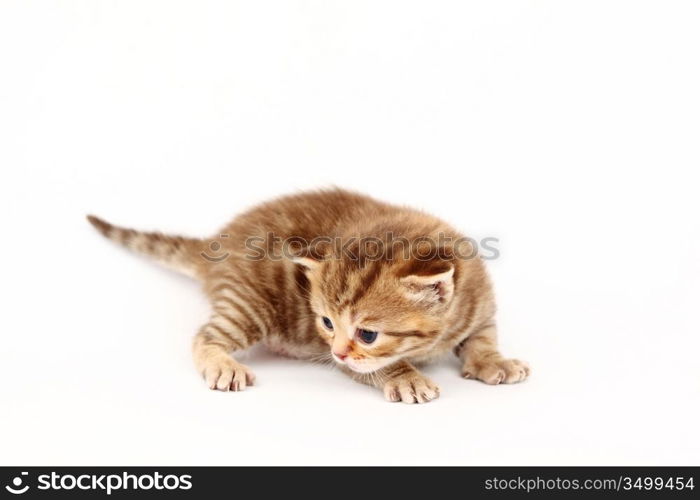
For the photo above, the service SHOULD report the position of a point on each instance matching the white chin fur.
(365, 368)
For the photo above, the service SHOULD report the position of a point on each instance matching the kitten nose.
(340, 347)
(340, 356)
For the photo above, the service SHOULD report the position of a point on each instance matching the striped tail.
(175, 252)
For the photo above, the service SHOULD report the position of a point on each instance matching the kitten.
(338, 276)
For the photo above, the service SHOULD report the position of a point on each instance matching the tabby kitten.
(336, 275)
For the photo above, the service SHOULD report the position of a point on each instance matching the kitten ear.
(310, 257)
(308, 263)
(432, 285)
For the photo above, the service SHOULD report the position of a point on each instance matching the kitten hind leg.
(481, 359)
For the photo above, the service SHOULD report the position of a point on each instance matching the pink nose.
(341, 357)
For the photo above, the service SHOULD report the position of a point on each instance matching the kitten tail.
(175, 252)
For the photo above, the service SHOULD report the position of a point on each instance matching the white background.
(568, 130)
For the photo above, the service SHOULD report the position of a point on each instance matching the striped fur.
(422, 308)
(175, 252)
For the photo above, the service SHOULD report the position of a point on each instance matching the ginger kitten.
(333, 274)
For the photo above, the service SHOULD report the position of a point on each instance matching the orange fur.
(421, 307)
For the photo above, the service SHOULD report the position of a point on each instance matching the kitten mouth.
(356, 367)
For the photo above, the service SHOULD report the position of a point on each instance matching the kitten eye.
(367, 336)
(328, 323)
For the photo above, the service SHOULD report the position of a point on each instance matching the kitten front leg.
(211, 348)
(482, 360)
(400, 382)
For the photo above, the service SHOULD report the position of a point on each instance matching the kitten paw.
(498, 371)
(227, 374)
(411, 388)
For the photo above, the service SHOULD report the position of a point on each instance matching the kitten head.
(373, 312)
